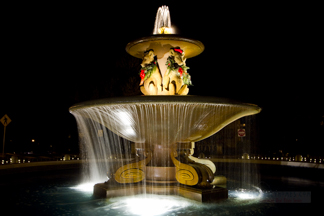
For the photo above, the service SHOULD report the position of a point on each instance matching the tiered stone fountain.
(165, 123)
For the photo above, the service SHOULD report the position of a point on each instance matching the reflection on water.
(71, 198)
(254, 194)
(150, 205)
(154, 205)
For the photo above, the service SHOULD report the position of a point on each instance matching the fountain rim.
(165, 37)
(161, 99)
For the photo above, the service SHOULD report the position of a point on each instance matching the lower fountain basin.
(106, 190)
(164, 120)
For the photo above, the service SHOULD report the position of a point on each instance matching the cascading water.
(100, 148)
(152, 124)
(235, 156)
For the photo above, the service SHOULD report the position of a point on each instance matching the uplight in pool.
(85, 187)
(152, 205)
(244, 194)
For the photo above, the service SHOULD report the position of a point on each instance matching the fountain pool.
(60, 192)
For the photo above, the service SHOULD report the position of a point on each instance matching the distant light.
(33, 140)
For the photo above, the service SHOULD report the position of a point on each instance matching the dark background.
(55, 55)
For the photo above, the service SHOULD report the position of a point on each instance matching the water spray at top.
(162, 23)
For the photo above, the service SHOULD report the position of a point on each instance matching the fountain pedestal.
(170, 171)
(109, 190)
(168, 164)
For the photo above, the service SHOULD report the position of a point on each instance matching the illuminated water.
(162, 19)
(60, 193)
(148, 120)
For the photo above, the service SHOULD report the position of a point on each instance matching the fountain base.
(110, 190)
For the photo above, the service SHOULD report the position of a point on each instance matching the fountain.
(162, 126)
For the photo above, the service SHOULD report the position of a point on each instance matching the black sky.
(262, 54)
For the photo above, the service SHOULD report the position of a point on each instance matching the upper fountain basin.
(164, 120)
(161, 45)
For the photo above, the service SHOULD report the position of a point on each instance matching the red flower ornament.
(178, 50)
(180, 71)
(142, 75)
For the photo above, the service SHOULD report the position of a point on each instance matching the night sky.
(56, 55)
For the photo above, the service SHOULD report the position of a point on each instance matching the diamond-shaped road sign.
(5, 120)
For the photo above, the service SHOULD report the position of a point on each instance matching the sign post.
(5, 120)
(241, 132)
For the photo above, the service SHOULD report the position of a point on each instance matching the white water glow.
(245, 194)
(84, 187)
(151, 205)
